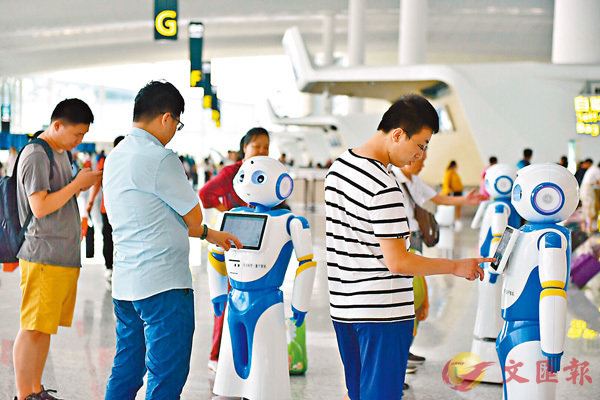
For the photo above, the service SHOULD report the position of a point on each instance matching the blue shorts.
(374, 357)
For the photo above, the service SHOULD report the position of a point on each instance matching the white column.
(356, 44)
(328, 38)
(412, 43)
(324, 102)
(575, 38)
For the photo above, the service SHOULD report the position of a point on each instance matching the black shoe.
(46, 394)
(32, 396)
(415, 360)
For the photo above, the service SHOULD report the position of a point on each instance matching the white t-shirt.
(592, 175)
(420, 192)
(363, 204)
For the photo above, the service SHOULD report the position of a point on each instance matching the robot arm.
(476, 223)
(217, 278)
(499, 224)
(305, 274)
(553, 298)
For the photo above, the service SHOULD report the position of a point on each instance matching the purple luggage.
(584, 268)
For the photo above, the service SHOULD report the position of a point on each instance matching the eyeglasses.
(423, 148)
(180, 124)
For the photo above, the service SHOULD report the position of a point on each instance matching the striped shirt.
(363, 204)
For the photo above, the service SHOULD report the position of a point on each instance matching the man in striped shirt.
(369, 268)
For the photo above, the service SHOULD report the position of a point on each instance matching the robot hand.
(298, 317)
(554, 362)
(219, 304)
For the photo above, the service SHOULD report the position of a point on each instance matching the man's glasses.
(180, 124)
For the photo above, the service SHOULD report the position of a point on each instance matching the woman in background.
(452, 186)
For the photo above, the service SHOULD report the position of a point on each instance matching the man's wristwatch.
(204, 232)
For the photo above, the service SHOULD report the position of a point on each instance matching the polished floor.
(80, 357)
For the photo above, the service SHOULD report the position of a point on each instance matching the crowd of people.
(148, 213)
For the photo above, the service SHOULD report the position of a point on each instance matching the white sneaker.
(212, 365)
(458, 225)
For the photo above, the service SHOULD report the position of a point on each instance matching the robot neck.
(260, 208)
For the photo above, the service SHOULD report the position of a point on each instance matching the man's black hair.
(527, 153)
(118, 140)
(589, 160)
(249, 137)
(73, 111)
(411, 113)
(493, 160)
(157, 98)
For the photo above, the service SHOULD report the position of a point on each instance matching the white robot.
(534, 298)
(253, 361)
(492, 218)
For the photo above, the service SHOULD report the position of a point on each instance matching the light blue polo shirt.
(146, 192)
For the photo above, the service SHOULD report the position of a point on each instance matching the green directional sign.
(196, 31)
(165, 20)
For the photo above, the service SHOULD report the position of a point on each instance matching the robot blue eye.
(517, 193)
(259, 177)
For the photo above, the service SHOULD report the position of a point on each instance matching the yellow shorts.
(49, 293)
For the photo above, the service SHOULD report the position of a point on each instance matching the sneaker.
(212, 365)
(411, 369)
(415, 360)
(46, 394)
(458, 226)
(32, 396)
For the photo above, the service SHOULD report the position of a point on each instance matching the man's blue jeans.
(154, 335)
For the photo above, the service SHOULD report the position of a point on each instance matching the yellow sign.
(195, 77)
(587, 111)
(166, 23)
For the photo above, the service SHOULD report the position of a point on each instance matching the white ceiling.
(42, 35)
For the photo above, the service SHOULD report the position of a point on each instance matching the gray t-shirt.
(54, 239)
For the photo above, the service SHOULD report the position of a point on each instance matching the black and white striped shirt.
(363, 204)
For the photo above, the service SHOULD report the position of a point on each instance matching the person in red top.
(218, 193)
(107, 242)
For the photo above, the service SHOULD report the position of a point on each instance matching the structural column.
(356, 44)
(576, 32)
(412, 43)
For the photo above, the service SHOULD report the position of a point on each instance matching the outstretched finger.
(485, 260)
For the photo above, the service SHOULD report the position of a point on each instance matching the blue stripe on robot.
(245, 308)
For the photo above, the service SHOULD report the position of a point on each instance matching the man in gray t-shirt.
(55, 238)
(50, 256)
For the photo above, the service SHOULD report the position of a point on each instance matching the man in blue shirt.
(153, 209)
(527, 154)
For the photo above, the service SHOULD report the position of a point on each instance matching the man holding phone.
(50, 257)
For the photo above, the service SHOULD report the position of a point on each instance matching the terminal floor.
(80, 358)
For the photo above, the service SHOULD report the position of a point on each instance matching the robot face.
(545, 193)
(263, 181)
(499, 180)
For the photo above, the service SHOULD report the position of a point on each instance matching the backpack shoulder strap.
(410, 198)
(48, 151)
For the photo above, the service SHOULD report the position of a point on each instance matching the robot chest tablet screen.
(249, 228)
(509, 238)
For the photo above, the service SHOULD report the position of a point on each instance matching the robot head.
(499, 180)
(545, 193)
(263, 181)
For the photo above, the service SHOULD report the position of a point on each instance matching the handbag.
(428, 226)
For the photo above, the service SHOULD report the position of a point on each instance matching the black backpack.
(12, 234)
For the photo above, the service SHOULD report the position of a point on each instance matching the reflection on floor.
(81, 357)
